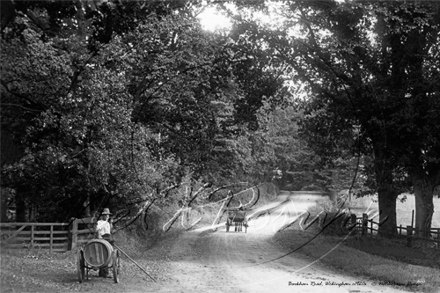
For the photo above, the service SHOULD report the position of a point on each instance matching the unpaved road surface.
(198, 261)
(239, 262)
(208, 262)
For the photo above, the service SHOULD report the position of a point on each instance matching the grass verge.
(337, 253)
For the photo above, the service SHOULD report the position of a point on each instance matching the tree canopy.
(116, 101)
(371, 69)
(110, 114)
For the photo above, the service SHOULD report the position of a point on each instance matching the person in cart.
(103, 231)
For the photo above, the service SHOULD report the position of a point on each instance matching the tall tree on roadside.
(120, 110)
(64, 105)
(371, 70)
(377, 68)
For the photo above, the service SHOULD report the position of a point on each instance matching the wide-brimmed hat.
(106, 211)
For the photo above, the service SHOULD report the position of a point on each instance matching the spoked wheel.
(80, 266)
(116, 264)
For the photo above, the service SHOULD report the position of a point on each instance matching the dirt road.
(194, 262)
(197, 261)
(239, 262)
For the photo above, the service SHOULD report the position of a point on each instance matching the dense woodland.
(120, 103)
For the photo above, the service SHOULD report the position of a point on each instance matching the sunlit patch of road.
(270, 218)
(253, 262)
(286, 210)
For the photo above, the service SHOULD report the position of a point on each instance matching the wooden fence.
(51, 236)
(81, 231)
(367, 226)
(55, 237)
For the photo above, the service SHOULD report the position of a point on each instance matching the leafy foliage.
(115, 101)
(368, 65)
(113, 113)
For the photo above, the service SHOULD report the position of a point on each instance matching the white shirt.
(103, 227)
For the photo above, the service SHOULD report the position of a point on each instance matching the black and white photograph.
(210, 146)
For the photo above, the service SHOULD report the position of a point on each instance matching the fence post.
(438, 238)
(412, 218)
(353, 222)
(73, 234)
(51, 239)
(69, 235)
(32, 236)
(409, 235)
(364, 224)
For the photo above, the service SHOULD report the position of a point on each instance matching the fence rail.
(370, 227)
(51, 236)
(81, 231)
(55, 237)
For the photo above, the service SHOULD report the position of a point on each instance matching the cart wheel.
(116, 266)
(80, 266)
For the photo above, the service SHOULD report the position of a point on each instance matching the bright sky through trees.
(211, 20)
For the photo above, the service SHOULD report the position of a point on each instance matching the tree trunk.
(7, 13)
(387, 192)
(387, 209)
(3, 205)
(20, 207)
(423, 191)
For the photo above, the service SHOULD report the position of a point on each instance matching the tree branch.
(19, 106)
(41, 106)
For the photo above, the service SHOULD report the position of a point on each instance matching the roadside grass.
(396, 249)
(380, 259)
(347, 253)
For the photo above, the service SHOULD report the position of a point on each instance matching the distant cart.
(237, 218)
(96, 254)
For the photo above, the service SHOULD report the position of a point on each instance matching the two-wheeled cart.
(236, 218)
(95, 255)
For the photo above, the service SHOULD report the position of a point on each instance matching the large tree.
(72, 112)
(375, 66)
(371, 71)
(116, 111)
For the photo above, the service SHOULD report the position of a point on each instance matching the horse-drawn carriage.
(236, 217)
(95, 255)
